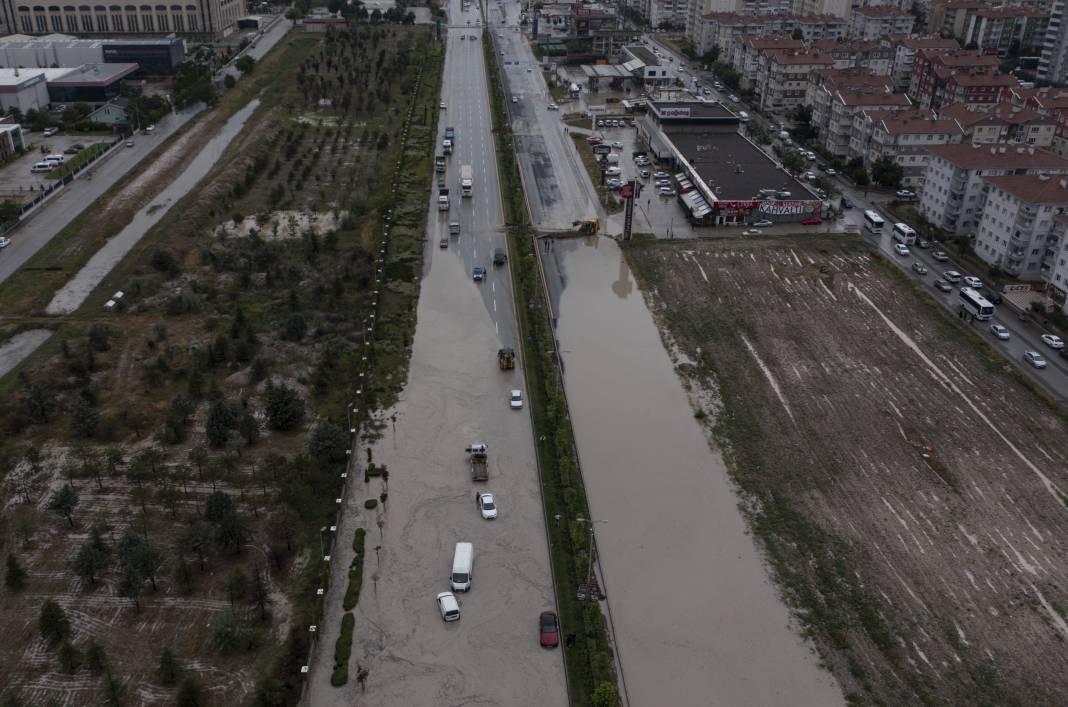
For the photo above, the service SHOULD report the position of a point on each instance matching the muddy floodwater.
(696, 618)
(71, 295)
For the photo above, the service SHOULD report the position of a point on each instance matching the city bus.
(975, 304)
(873, 222)
(903, 233)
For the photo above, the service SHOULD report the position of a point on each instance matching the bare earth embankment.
(908, 485)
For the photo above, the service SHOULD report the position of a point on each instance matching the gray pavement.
(455, 395)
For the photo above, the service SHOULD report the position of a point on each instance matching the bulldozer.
(587, 227)
(506, 359)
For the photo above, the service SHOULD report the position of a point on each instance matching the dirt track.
(909, 490)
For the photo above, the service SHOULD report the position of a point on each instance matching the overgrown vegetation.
(590, 660)
(352, 592)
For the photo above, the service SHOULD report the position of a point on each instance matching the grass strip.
(591, 676)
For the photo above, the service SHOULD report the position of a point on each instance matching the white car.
(665, 191)
(973, 282)
(901, 249)
(486, 506)
(999, 332)
(553, 106)
(644, 174)
(661, 175)
(442, 105)
(763, 224)
(600, 123)
(49, 132)
(733, 98)
(809, 176)
(751, 232)
(919, 267)
(1035, 359)
(951, 276)
(516, 400)
(1053, 341)
(905, 194)
(830, 172)
(613, 171)
(617, 145)
(515, 99)
(449, 607)
(5, 242)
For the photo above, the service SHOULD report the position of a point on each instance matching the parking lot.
(16, 178)
(907, 482)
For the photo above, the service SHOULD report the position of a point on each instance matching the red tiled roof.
(881, 11)
(1034, 188)
(998, 156)
(914, 123)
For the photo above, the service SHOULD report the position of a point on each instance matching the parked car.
(77, 146)
(152, 128)
(49, 132)
(549, 629)
(973, 282)
(644, 174)
(617, 145)
(901, 249)
(942, 285)
(486, 505)
(999, 331)
(940, 256)
(905, 194)
(516, 400)
(830, 173)
(661, 175)
(666, 191)
(764, 223)
(919, 267)
(593, 141)
(733, 98)
(448, 606)
(4, 242)
(70, 151)
(600, 123)
(952, 276)
(613, 171)
(1035, 359)
(553, 106)
(1052, 340)
(812, 221)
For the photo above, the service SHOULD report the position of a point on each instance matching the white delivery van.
(612, 158)
(58, 159)
(43, 167)
(463, 560)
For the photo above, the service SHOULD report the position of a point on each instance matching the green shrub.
(352, 592)
(370, 504)
(342, 651)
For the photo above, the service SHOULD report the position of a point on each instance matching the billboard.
(676, 112)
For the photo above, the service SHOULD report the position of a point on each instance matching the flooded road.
(696, 618)
(68, 298)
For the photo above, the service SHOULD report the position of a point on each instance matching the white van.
(57, 159)
(43, 167)
(612, 158)
(743, 116)
(463, 560)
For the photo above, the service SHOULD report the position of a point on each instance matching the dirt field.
(907, 484)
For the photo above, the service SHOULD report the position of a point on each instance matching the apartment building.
(948, 17)
(725, 29)
(696, 9)
(906, 137)
(1000, 30)
(879, 21)
(1053, 62)
(782, 76)
(198, 18)
(1051, 103)
(838, 8)
(837, 96)
(1057, 273)
(932, 68)
(745, 55)
(664, 13)
(1002, 122)
(858, 54)
(905, 5)
(954, 193)
(905, 49)
(1017, 225)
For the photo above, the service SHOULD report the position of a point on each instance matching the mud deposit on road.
(908, 487)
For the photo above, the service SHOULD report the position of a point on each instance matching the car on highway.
(129, 143)
(919, 267)
(665, 191)
(942, 285)
(448, 607)
(901, 249)
(1035, 359)
(999, 332)
(812, 221)
(442, 105)
(940, 256)
(477, 273)
(617, 145)
(905, 194)
(443, 242)
(516, 400)
(973, 282)
(486, 505)
(549, 629)
(1053, 341)
(764, 223)
(515, 99)
(809, 176)
(993, 297)
(952, 276)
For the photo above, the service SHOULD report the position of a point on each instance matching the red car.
(811, 221)
(550, 629)
(593, 140)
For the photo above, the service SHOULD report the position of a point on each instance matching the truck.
(476, 454)
(446, 146)
(467, 180)
(439, 163)
(443, 199)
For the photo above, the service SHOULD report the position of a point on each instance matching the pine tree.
(168, 668)
(15, 579)
(53, 621)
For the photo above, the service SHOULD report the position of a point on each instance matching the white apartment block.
(1053, 64)
(665, 13)
(879, 21)
(1002, 122)
(837, 96)
(1016, 232)
(745, 55)
(905, 52)
(1057, 247)
(838, 8)
(954, 193)
(906, 137)
(782, 77)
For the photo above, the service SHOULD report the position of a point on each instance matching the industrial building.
(156, 57)
(196, 18)
(89, 83)
(723, 178)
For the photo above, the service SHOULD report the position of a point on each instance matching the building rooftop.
(977, 77)
(17, 77)
(775, 42)
(646, 56)
(921, 122)
(881, 11)
(871, 97)
(689, 109)
(1034, 188)
(998, 156)
(1009, 12)
(94, 74)
(795, 58)
(732, 167)
(992, 114)
(853, 77)
(947, 43)
(962, 58)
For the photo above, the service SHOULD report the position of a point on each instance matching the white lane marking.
(496, 327)
(494, 305)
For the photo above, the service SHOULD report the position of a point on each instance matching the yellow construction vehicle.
(587, 227)
(506, 359)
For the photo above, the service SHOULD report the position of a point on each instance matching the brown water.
(697, 620)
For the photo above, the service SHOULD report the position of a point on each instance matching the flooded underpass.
(695, 616)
